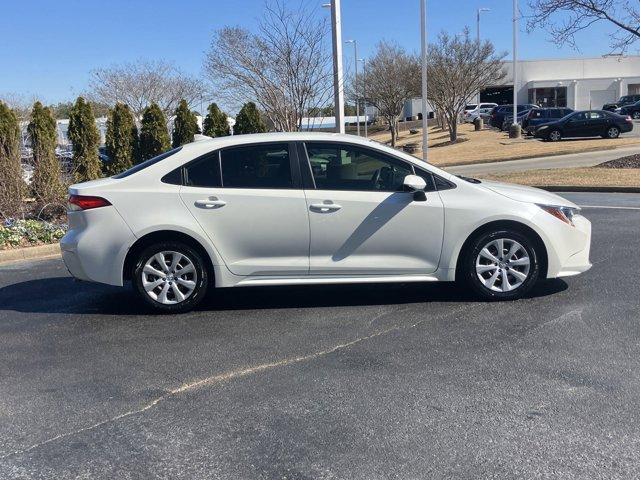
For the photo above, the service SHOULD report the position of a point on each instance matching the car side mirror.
(415, 184)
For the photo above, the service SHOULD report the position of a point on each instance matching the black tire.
(200, 277)
(612, 132)
(468, 275)
(554, 135)
(636, 115)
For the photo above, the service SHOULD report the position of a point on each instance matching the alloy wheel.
(169, 277)
(613, 132)
(555, 135)
(636, 115)
(503, 265)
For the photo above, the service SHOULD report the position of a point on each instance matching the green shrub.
(30, 232)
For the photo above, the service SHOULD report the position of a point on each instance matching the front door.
(575, 126)
(361, 221)
(250, 204)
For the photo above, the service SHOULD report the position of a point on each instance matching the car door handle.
(325, 207)
(210, 203)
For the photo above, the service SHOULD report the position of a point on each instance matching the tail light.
(628, 118)
(85, 202)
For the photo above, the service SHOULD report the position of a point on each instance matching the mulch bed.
(632, 161)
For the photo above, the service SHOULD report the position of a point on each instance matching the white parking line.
(610, 207)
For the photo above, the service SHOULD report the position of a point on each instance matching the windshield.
(468, 179)
(626, 99)
(147, 163)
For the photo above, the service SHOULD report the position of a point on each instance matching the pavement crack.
(222, 377)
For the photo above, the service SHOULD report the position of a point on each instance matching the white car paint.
(304, 236)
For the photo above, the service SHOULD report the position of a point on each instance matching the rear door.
(596, 124)
(250, 202)
(361, 220)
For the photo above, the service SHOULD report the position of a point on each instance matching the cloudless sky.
(49, 47)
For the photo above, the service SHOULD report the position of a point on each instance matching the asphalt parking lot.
(345, 382)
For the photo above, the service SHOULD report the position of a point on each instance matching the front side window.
(577, 117)
(347, 167)
(256, 166)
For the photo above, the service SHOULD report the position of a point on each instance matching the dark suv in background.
(538, 116)
(498, 113)
(632, 110)
(626, 100)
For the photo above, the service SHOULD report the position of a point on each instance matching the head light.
(564, 214)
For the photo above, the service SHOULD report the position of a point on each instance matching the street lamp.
(423, 44)
(338, 87)
(355, 60)
(480, 10)
(515, 67)
(364, 93)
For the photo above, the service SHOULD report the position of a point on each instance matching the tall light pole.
(355, 60)
(515, 64)
(338, 85)
(364, 93)
(423, 43)
(480, 10)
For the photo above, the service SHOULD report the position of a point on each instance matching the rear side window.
(257, 166)
(203, 172)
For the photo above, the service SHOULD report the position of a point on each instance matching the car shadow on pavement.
(66, 296)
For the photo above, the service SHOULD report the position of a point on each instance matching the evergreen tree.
(11, 184)
(248, 120)
(85, 140)
(154, 136)
(185, 125)
(42, 131)
(215, 123)
(121, 139)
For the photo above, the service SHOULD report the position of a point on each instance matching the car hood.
(521, 193)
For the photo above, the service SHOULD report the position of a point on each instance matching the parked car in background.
(632, 110)
(538, 116)
(591, 123)
(479, 111)
(313, 208)
(508, 119)
(498, 113)
(626, 100)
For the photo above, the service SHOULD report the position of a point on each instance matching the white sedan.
(313, 208)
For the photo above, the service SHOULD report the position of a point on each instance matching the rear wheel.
(500, 265)
(613, 132)
(171, 277)
(555, 135)
(636, 115)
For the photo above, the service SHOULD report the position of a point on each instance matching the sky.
(48, 48)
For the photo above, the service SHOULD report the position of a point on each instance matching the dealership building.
(578, 83)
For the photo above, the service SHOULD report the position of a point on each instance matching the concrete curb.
(585, 188)
(29, 253)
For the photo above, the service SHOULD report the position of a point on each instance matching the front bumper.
(568, 247)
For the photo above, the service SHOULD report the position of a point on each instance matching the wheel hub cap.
(169, 277)
(503, 265)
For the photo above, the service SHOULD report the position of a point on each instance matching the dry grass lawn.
(586, 176)
(490, 145)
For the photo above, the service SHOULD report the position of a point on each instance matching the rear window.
(147, 163)
(470, 107)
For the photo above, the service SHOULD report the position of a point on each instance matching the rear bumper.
(96, 244)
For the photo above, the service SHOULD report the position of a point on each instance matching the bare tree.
(392, 77)
(142, 83)
(458, 68)
(285, 68)
(578, 15)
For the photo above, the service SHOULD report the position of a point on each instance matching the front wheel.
(555, 135)
(171, 277)
(500, 265)
(636, 115)
(613, 132)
